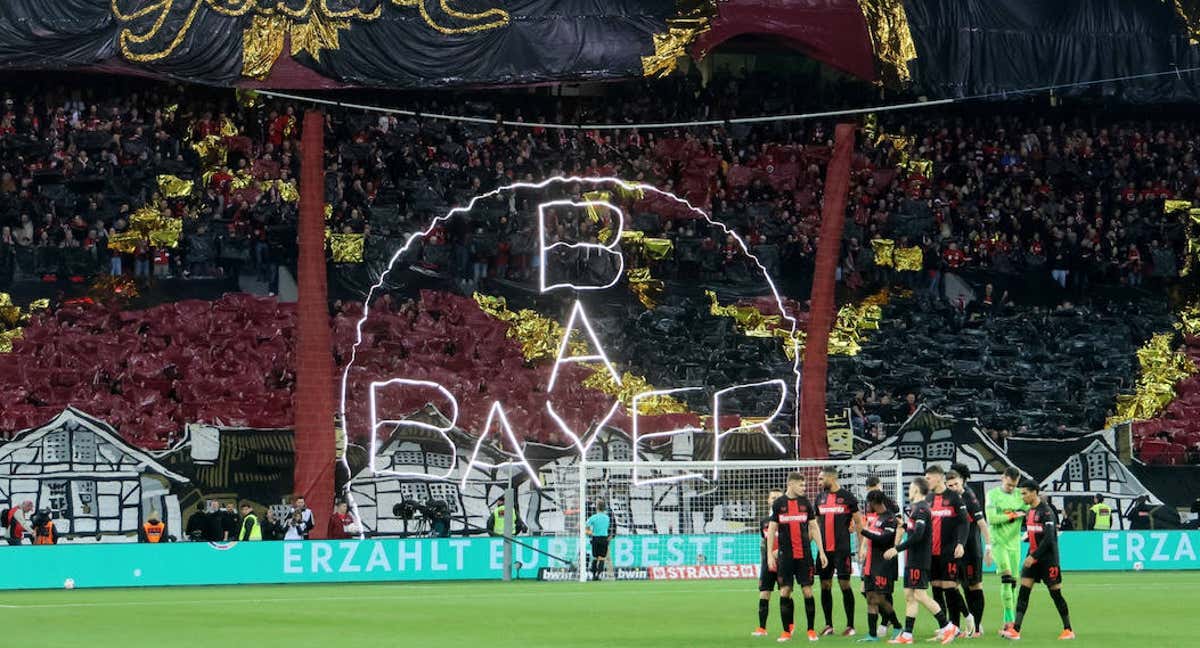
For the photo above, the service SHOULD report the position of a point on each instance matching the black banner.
(974, 47)
(396, 43)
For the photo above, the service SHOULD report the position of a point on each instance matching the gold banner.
(346, 248)
(174, 187)
(891, 39)
(885, 252)
(910, 259)
(1162, 368)
(1172, 206)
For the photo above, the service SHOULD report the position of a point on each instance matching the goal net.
(688, 520)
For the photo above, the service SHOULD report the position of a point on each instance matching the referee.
(598, 527)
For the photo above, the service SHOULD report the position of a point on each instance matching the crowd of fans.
(78, 161)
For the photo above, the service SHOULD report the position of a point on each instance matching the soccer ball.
(69, 584)
(1138, 566)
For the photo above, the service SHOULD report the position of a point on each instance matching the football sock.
(941, 618)
(1063, 611)
(764, 609)
(1008, 598)
(939, 595)
(848, 605)
(975, 604)
(954, 601)
(1022, 605)
(872, 623)
(889, 610)
(909, 622)
(827, 604)
(810, 611)
(787, 612)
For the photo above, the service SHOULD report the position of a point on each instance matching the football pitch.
(1108, 609)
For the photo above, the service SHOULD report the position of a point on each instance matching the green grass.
(1149, 609)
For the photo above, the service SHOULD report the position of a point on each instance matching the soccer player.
(948, 539)
(840, 518)
(917, 542)
(869, 517)
(879, 573)
(1005, 510)
(1041, 564)
(793, 529)
(767, 578)
(971, 576)
(597, 530)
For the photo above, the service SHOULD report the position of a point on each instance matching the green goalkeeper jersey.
(1006, 529)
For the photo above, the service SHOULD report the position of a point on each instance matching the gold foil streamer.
(593, 211)
(849, 331)
(262, 43)
(644, 286)
(346, 248)
(1172, 206)
(1162, 367)
(1189, 12)
(891, 39)
(8, 337)
(910, 258)
(212, 151)
(658, 248)
(539, 338)
(317, 34)
(671, 45)
(288, 192)
(124, 242)
(328, 211)
(885, 252)
(174, 186)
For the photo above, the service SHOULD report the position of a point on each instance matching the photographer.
(295, 527)
(299, 506)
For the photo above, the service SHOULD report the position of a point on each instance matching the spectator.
(153, 530)
(1138, 514)
(306, 515)
(18, 523)
(341, 523)
(249, 528)
(197, 524)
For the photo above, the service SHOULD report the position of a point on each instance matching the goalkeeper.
(1005, 510)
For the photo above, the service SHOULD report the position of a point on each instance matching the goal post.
(690, 519)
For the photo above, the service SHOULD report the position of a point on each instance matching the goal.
(683, 520)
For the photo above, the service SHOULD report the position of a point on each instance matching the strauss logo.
(154, 29)
(588, 350)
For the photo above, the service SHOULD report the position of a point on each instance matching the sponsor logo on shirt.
(803, 517)
(827, 510)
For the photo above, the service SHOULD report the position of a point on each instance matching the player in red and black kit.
(794, 526)
(1041, 527)
(917, 543)
(869, 517)
(767, 578)
(879, 573)
(840, 518)
(979, 545)
(948, 544)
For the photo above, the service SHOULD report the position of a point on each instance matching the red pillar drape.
(813, 442)
(313, 400)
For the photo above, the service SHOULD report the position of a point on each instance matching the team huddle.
(946, 539)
